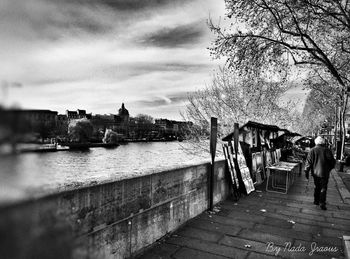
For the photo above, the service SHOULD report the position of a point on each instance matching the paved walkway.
(264, 225)
(345, 176)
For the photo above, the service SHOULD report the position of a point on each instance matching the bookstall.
(254, 155)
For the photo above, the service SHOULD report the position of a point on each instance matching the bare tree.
(317, 111)
(233, 98)
(323, 101)
(269, 36)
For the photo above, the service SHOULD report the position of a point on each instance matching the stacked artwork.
(243, 168)
(268, 158)
(254, 168)
(231, 165)
(237, 165)
(258, 167)
(231, 157)
(278, 154)
(272, 157)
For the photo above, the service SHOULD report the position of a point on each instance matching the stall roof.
(253, 124)
(297, 138)
(294, 134)
(290, 134)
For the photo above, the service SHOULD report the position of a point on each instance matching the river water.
(34, 174)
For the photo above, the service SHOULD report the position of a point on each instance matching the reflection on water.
(33, 173)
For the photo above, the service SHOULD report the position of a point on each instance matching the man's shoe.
(323, 207)
(316, 203)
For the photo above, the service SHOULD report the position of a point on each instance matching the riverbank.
(43, 148)
(125, 218)
(8, 149)
(112, 219)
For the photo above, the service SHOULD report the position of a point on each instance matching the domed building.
(122, 121)
(123, 113)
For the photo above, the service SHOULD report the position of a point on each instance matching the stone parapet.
(111, 220)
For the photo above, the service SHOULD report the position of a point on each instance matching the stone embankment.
(110, 220)
(138, 217)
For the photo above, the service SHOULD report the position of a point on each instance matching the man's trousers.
(320, 189)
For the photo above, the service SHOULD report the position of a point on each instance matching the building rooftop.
(31, 111)
(81, 112)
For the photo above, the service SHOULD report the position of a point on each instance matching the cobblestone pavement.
(265, 225)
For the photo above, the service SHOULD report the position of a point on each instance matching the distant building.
(122, 121)
(116, 122)
(62, 124)
(131, 128)
(123, 115)
(71, 115)
(172, 127)
(78, 114)
(21, 122)
(34, 117)
(103, 122)
(163, 124)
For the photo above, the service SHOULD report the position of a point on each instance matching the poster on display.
(254, 167)
(278, 154)
(274, 157)
(247, 180)
(266, 137)
(232, 159)
(243, 168)
(268, 158)
(231, 167)
(259, 178)
(260, 171)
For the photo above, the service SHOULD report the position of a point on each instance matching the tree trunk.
(343, 129)
(336, 129)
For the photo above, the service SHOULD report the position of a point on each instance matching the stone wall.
(113, 220)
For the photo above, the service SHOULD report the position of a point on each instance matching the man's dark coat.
(320, 161)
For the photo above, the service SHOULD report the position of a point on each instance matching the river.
(34, 174)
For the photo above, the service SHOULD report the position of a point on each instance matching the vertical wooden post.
(236, 137)
(213, 140)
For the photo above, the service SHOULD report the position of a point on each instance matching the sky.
(96, 54)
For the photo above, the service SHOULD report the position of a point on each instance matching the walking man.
(320, 162)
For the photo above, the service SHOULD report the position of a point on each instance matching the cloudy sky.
(96, 54)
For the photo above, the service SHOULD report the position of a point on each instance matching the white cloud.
(68, 55)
